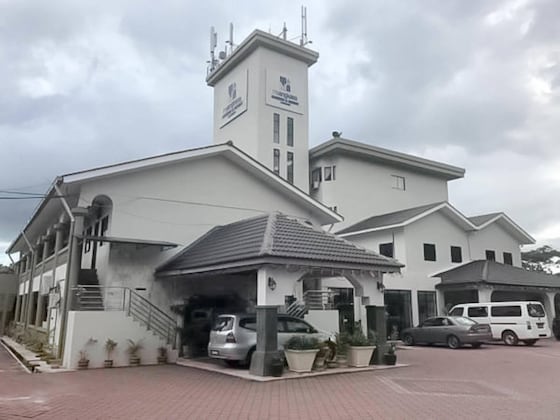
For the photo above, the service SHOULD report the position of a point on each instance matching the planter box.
(300, 360)
(359, 356)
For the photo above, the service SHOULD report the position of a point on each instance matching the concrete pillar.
(267, 341)
(368, 290)
(440, 303)
(30, 301)
(18, 306)
(549, 306)
(485, 294)
(376, 321)
(79, 214)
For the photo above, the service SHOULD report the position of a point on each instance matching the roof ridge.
(269, 231)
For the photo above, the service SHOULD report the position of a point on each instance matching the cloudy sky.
(474, 83)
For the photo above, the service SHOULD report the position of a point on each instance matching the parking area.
(495, 381)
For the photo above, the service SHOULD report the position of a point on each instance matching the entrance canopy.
(273, 238)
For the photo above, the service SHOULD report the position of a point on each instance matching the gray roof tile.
(274, 235)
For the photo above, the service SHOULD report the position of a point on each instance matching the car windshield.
(223, 323)
(461, 320)
(535, 310)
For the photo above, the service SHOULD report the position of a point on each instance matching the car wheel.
(476, 345)
(247, 362)
(529, 342)
(510, 338)
(453, 342)
(408, 340)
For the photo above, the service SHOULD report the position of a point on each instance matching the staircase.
(318, 300)
(92, 300)
(100, 298)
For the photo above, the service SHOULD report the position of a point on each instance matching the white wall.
(103, 325)
(363, 189)
(494, 237)
(326, 320)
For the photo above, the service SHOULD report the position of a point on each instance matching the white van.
(510, 321)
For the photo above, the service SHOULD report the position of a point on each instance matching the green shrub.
(302, 342)
(359, 339)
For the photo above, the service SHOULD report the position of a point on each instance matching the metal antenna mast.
(303, 40)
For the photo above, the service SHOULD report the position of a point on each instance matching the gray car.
(451, 330)
(233, 337)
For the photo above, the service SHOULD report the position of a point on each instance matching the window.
(223, 323)
(290, 167)
(276, 163)
(330, 173)
(276, 128)
(249, 323)
(429, 252)
(506, 310)
(456, 254)
(290, 133)
(456, 312)
(315, 178)
(426, 304)
(399, 182)
(386, 249)
(490, 255)
(295, 326)
(535, 310)
(478, 312)
(508, 258)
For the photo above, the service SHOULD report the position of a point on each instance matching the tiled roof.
(483, 218)
(388, 219)
(495, 273)
(275, 236)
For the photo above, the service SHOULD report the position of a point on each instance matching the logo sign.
(235, 103)
(284, 93)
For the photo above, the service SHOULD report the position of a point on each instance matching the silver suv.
(233, 338)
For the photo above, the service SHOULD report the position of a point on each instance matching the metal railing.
(101, 298)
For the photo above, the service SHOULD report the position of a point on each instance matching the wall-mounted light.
(380, 286)
(271, 283)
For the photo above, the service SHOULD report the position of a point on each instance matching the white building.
(140, 240)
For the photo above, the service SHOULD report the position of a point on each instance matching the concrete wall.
(494, 237)
(252, 130)
(99, 326)
(363, 189)
(324, 320)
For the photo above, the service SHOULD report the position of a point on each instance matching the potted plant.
(109, 347)
(300, 353)
(390, 358)
(83, 362)
(360, 348)
(162, 355)
(133, 350)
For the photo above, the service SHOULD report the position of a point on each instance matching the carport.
(277, 253)
(489, 281)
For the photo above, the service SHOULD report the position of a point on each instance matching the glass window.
(223, 323)
(508, 258)
(315, 178)
(456, 254)
(290, 134)
(249, 323)
(386, 249)
(276, 162)
(514, 310)
(535, 310)
(276, 128)
(456, 312)
(290, 167)
(328, 173)
(295, 326)
(426, 305)
(333, 172)
(429, 252)
(490, 255)
(399, 182)
(477, 312)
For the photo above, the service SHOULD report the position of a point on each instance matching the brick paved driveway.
(492, 382)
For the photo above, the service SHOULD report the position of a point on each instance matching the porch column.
(376, 321)
(79, 214)
(18, 306)
(549, 307)
(30, 300)
(485, 294)
(440, 302)
(368, 290)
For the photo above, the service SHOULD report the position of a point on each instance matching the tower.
(261, 102)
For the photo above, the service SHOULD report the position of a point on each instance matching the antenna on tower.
(230, 41)
(213, 44)
(303, 40)
(284, 32)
